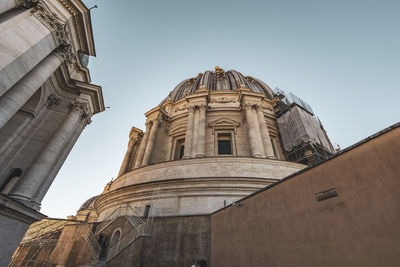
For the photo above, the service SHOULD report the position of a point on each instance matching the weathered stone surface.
(174, 241)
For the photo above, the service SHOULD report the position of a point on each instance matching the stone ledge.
(16, 210)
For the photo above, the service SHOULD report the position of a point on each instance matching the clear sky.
(342, 57)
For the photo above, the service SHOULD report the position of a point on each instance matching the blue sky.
(342, 57)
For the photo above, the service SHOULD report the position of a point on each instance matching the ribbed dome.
(89, 204)
(220, 80)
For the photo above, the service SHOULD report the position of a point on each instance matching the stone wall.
(343, 212)
(200, 186)
(174, 241)
(12, 238)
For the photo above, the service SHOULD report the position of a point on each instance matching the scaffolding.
(38, 243)
(303, 136)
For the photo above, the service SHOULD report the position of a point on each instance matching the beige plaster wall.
(285, 225)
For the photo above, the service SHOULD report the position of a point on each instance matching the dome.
(88, 204)
(220, 80)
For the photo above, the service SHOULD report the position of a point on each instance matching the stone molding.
(224, 123)
(205, 199)
(218, 167)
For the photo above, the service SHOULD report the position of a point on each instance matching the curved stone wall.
(193, 186)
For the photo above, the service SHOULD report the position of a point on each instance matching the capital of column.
(57, 26)
(65, 53)
(202, 107)
(149, 124)
(159, 119)
(247, 106)
(83, 110)
(136, 136)
(191, 108)
(259, 107)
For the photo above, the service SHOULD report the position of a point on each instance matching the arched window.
(114, 243)
(11, 180)
(115, 237)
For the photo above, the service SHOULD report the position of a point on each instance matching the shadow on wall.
(11, 179)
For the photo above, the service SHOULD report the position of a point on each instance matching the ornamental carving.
(191, 108)
(180, 108)
(135, 134)
(149, 124)
(247, 106)
(53, 100)
(202, 107)
(83, 110)
(58, 28)
(223, 100)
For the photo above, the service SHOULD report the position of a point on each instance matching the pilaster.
(189, 133)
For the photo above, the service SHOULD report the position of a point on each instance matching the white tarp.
(297, 126)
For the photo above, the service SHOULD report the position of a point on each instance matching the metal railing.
(93, 243)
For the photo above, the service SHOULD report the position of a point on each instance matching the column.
(269, 152)
(143, 144)
(252, 125)
(36, 175)
(150, 143)
(38, 197)
(128, 154)
(189, 134)
(131, 162)
(7, 5)
(17, 96)
(195, 133)
(201, 144)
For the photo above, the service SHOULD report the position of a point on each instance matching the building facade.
(215, 139)
(46, 100)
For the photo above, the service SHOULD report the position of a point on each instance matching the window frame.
(232, 133)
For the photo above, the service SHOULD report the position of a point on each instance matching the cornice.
(75, 88)
(82, 23)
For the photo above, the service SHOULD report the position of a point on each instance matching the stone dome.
(89, 204)
(220, 80)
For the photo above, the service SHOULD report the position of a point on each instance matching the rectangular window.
(224, 144)
(179, 149)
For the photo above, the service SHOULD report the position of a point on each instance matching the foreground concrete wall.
(285, 225)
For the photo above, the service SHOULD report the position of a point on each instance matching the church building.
(226, 172)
